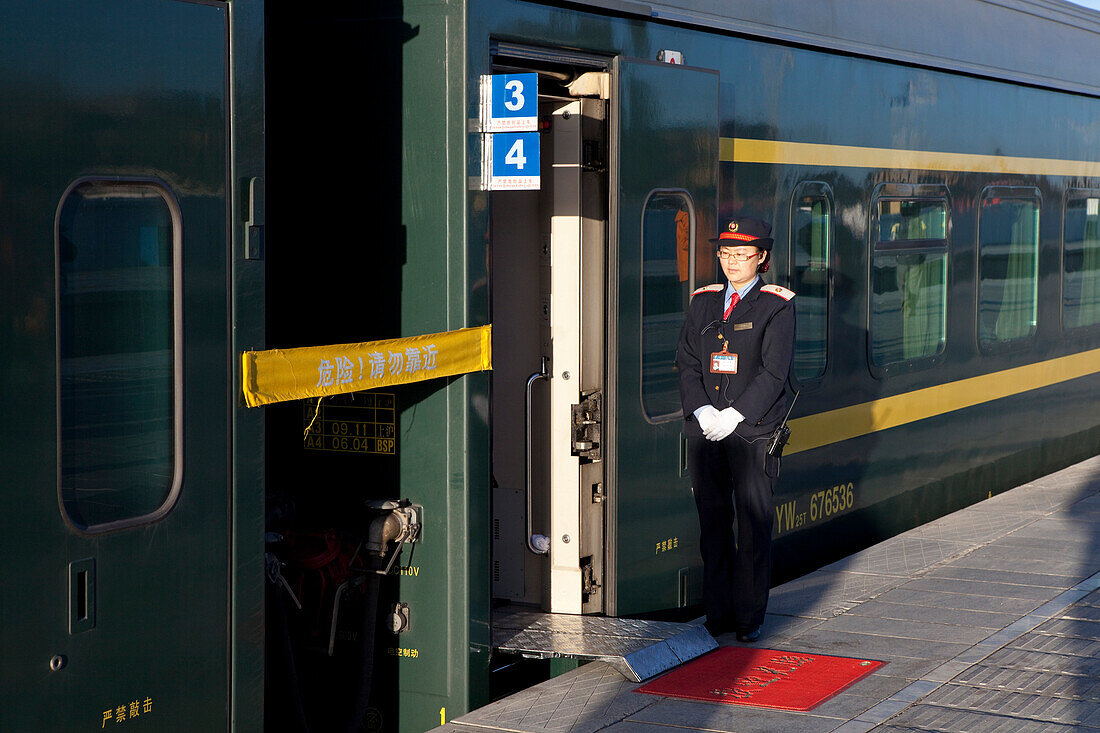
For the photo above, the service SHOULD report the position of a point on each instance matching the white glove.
(727, 422)
(707, 417)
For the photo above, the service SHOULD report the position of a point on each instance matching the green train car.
(184, 184)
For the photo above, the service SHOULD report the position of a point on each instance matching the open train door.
(664, 200)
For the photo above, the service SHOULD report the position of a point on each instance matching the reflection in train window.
(119, 355)
(1081, 261)
(811, 247)
(668, 261)
(1008, 259)
(902, 223)
(908, 279)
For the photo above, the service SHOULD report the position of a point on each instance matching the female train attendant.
(733, 358)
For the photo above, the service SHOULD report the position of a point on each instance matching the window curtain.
(920, 278)
(1088, 309)
(1016, 312)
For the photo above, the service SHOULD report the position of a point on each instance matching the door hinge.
(590, 585)
(587, 419)
(592, 158)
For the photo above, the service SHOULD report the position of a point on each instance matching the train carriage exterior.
(184, 183)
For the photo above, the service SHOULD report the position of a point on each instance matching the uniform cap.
(745, 230)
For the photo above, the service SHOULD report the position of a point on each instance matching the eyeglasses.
(734, 256)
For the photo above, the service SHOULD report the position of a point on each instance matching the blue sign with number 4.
(515, 154)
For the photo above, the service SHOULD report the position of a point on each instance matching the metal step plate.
(637, 649)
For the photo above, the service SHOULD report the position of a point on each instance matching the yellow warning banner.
(278, 375)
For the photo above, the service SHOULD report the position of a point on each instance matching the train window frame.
(143, 187)
(1017, 193)
(820, 192)
(941, 246)
(686, 198)
(1074, 194)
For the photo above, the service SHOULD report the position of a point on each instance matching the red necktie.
(733, 303)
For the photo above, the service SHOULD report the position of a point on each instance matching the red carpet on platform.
(762, 677)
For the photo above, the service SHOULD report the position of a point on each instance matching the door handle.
(82, 595)
(537, 376)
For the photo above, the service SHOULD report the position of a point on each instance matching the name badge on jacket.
(723, 363)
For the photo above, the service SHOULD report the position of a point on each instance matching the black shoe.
(748, 637)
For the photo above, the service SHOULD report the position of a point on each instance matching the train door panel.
(577, 244)
(665, 188)
(548, 253)
(120, 504)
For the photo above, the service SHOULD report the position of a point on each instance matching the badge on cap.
(733, 226)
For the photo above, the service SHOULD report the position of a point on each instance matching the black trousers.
(732, 484)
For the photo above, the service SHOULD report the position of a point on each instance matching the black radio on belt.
(778, 441)
(779, 438)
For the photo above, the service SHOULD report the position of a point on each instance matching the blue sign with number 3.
(514, 100)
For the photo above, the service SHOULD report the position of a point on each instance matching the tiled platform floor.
(989, 619)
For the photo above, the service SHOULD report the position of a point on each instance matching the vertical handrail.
(543, 374)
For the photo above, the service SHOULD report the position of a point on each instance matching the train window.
(811, 250)
(668, 276)
(909, 275)
(119, 351)
(1008, 265)
(1081, 260)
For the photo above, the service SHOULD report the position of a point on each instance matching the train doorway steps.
(637, 649)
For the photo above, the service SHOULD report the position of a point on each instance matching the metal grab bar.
(544, 374)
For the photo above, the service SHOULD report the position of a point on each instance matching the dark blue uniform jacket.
(761, 332)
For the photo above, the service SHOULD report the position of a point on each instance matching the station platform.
(987, 619)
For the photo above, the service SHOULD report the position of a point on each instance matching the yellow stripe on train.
(777, 152)
(834, 426)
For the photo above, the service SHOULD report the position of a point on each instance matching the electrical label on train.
(352, 423)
